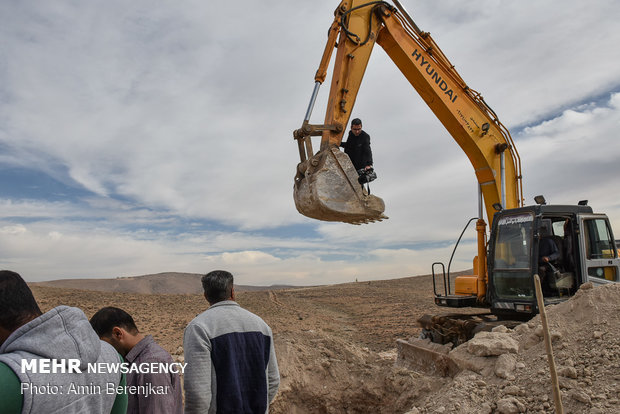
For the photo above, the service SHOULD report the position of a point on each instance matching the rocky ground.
(336, 348)
(507, 371)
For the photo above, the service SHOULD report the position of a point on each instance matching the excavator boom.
(326, 187)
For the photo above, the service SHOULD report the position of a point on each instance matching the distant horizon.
(198, 275)
(134, 277)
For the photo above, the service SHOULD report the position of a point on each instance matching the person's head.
(116, 327)
(218, 286)
(17, 304)
(356, 126)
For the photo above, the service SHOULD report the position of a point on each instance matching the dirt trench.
(336, 349)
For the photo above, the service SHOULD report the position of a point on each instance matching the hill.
(160, 283)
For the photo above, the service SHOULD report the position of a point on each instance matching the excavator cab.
(327, 188)
(516, 249)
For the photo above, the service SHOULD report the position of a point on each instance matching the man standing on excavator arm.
(357, 146)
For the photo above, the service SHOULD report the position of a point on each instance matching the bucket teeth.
(368, 220)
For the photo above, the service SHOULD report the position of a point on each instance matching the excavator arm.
(326, 186)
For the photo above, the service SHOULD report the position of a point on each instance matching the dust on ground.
(336, 348)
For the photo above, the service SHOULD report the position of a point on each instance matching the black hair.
(356, 121)
(109, 317)
(17, 303)
(217, 285)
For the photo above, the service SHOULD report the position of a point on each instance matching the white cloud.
(43, 251)
(13, 230)
(186, 116)
(248, 257)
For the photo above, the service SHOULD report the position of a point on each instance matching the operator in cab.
(357, 146)
(548, 253)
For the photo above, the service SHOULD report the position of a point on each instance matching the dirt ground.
(336, 348)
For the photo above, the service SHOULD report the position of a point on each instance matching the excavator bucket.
(326, 188)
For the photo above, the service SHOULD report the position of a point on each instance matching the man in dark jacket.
(357, 146)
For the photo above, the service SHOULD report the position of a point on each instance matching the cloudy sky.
(142, 137)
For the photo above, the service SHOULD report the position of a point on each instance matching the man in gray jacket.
(45, 358)
(230, 355)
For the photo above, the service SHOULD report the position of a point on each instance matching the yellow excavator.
(326, 183)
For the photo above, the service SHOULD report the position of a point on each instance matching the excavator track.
(440, 334)
(455, 329)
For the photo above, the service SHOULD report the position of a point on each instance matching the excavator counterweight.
(326, 188)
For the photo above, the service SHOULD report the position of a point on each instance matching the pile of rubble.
(506, 371)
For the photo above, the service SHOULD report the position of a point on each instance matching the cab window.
(599, 243)
(512, 243)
